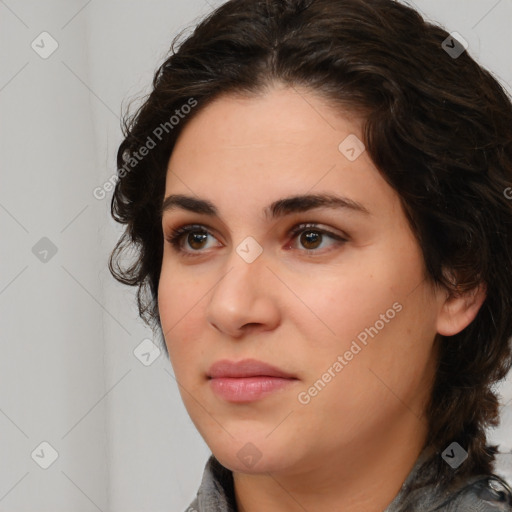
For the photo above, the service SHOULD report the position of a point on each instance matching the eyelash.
(176, 235)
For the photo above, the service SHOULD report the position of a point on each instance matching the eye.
(196, 235)
(312, 236)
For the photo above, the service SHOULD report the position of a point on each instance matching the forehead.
(284, 142)
(281, 115)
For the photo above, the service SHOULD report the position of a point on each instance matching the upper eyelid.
(297, 225)
(294, 219)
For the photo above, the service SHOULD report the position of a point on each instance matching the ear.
(459, 310)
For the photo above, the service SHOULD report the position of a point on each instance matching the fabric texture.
(483, 493)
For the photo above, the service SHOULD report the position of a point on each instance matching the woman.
(317, 190)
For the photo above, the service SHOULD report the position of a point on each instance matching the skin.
(352, 446)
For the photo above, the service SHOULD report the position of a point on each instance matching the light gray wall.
(68, 375)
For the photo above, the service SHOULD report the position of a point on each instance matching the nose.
(244, 298)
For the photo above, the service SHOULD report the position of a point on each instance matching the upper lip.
(245, 368)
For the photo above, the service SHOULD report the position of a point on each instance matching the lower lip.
(247, 389)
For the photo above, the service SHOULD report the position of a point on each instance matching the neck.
(365, 477)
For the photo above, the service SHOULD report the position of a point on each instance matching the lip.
(246, 368)
(247, 380)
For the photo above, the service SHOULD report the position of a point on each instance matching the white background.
(68, 375)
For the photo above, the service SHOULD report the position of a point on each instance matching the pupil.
(195, 237)
(310, 237)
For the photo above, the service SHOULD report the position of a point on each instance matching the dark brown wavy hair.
(438, 128)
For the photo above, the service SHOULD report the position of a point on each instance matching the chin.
(253, 457)
(249, 463)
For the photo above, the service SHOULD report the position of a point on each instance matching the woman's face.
(341, 305)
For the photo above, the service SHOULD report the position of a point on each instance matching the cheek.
(179, 304)
(179, 289)
(337, 305)
(379, 304)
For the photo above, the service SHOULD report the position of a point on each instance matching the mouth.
(247, 380)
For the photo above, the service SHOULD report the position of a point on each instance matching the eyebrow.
(279, 208)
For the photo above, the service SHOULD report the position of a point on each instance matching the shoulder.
(488, 493)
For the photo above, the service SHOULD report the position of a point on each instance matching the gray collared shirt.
(482, 493)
